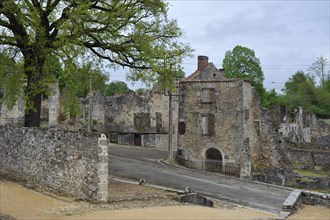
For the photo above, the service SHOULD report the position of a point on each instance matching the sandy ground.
(311, 212)
(127, 201)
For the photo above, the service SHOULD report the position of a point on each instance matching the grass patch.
(312, 173)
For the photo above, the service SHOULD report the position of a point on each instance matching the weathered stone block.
(194, 198)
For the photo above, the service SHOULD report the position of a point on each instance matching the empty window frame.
(159, 121)
(208, 95)
(247, 114)
(182, 127)
(208, 124)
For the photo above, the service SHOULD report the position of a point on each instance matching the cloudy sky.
(286, 35)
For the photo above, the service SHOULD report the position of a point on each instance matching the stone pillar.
(53, 105)
(102, 186)
(245, 171)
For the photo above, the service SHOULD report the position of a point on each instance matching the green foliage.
(74, 83)
(70, 90)
(272, 98)
(301, 90)
(134, 34)
(141, 91)
(116, 87)
(10, 80)
(242, 63)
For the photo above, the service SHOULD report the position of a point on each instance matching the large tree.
(300, 90)
(136, 34)
(241, 62)
(319, 69)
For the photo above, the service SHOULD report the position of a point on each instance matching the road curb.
(162, 161)
(182, 192)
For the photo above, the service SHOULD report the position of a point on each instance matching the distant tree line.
(310, 89)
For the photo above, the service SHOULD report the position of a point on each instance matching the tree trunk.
(33, 66)
(32, 116)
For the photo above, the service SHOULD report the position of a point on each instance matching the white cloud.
(286, 35)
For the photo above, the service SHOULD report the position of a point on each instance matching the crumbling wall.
(308, 154)
(129, 114)
(319, 128)
(67, 163)
(267, 152)
(14, 115)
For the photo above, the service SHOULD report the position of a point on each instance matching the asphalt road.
(141, 163)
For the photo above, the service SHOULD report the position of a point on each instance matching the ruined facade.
(49, 110)
(221, 125)
(14, 115)
(132, 119)
(298, 125)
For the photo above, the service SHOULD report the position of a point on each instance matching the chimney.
(203, 61)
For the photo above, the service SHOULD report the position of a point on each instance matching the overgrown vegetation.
(302, 89)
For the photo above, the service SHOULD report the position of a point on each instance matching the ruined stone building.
(298, 125)
(221, 124)
(132, 119)
(127, 119)
(14, 115)
(49, 110)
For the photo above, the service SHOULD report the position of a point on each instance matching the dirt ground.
(127, 201)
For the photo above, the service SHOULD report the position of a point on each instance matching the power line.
(284, 65)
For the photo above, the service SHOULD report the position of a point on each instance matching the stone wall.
(212, 117)
(67, 163)
(314, 198)
(308, 154)
(320, 128)
(297, 197)
(227, 109)
(15, 115)
(243, 131)
(298, 125)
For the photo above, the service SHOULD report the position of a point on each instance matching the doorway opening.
(213, 162)
(137, 140)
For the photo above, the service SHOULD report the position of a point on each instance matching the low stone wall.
(63, 162)
(297, 197)
(314, 198)
(292, 202)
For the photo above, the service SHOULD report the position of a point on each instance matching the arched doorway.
(213, 162)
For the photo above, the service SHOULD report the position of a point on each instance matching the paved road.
(123, 163)
(139, 153)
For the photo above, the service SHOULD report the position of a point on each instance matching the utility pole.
(170, 119)
(170, 127)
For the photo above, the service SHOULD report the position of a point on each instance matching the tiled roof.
(210, 70)
(193, 75)
(213, 80)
